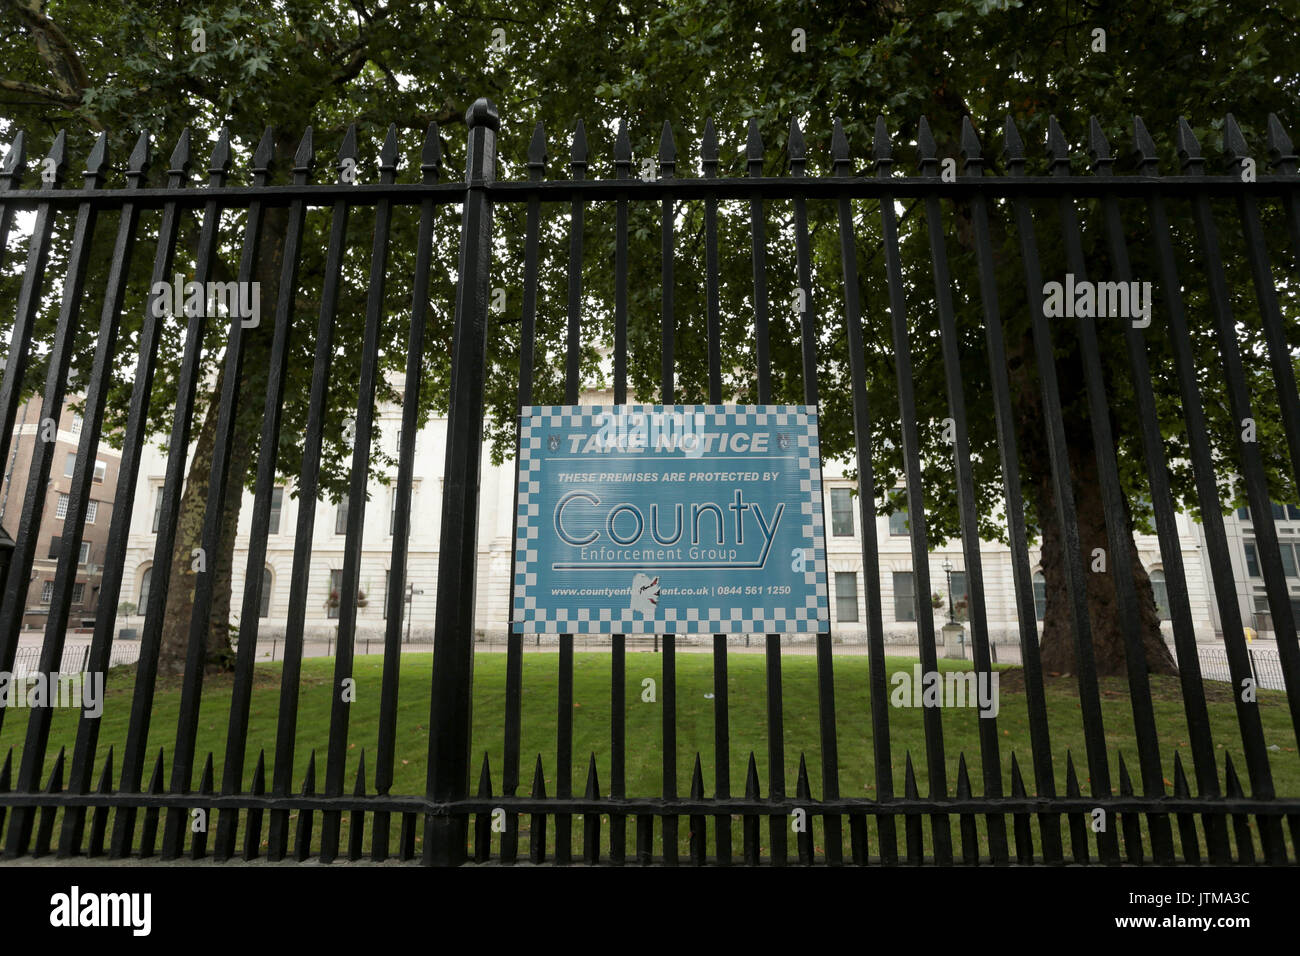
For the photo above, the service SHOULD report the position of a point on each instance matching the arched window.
(1161, 592)
(266, 592)
(144, 589)
(1040, 595)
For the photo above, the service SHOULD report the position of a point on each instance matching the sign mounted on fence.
(669, 519)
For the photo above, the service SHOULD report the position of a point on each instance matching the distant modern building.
(13, 492)
(1247, 572)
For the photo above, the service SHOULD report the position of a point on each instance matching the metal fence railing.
(454, 815)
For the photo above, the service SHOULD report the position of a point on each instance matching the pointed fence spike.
(539, 779)
(882, 150)
(1017, 780)
(926, 147)
(667, 146)
(802, 789)
(1234, 143)
(259, 773)
(1071, 778)
(1189, 147)
(797, 148)
(205, 781)
(1013, 147)
(56, 775)
(622, 145)
(1180, 777)
(220, 161)
(1144, 146)
(1280, 148)
(309, 784)
(1056, 143)
(305, 157)
(348, 148)
(709, 148)
(971, 150)
(751, 779)
(16, 158)
(431, 153)
(839, 148)
(485, 778)
(359, 788)
(537, 147)
(98, 157)
(754, 144)
(963, 778)
(155, 781)
(1125, 783)
(593, 780)
(1098, 145)
(1232, 786)
(6, 772)
(59, 155)
(106, 777)
(181, 159)
(388, 153)
(909, 780)
(265, 151)
(138, 162)
(578, 157)
(697, 779)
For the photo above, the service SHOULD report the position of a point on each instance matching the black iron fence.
(270, 813)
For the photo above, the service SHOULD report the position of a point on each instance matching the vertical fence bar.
(187, 723)
(1189, 667)
(667, 171)
(1270, 553)
(721, 701)
(884, 778)
(430, 167)
(453, 641)
(968, 513)
(178, 447)
(15, 598)
(1063, 492)
(308, 489)
(1118, 537)
(932, 718)
(515, 642)
(232, 773)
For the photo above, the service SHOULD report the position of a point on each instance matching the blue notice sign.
(670, 519)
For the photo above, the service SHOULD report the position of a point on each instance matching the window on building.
(84, 557)
(1243, 514)
(387, 575)
(144, 589)
(1161, 592)
(54, 549)
(1288, 560)
(157, 507)
(101, 471)
(266, 593)
(904, 596)
(959, 596)
(78, 593)
(92, 511)
(47, 592)
(341, 517)
(846, 596)
(336, 593)
(277, 505)
(1293, 512)
(392, 510)
(898, 523)
(842, 512)
(76, 424)
(1252, 559)
(70, 464)
(61, 509)
(1040, 595)
(1279, 511)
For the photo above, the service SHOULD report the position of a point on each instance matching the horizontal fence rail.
(898, 319)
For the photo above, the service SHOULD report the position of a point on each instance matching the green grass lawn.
(695, 726)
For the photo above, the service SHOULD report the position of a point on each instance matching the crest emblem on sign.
(553, 443)
(783, 440)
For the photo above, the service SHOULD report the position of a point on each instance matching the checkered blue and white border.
(527, 618)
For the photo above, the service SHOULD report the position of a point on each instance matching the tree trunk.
(1057, 644)
(189, 531)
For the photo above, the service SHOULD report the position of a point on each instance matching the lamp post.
(411, 591)
(947, 569)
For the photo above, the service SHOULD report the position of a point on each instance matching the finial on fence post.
(971, 151)
(1144, 148)
(709, 149)
(840, 164)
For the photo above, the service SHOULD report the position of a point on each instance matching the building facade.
(65, 433)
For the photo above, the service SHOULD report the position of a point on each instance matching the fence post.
(6, 552)
(445, 835)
